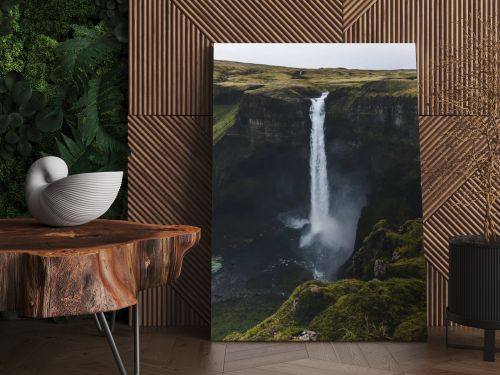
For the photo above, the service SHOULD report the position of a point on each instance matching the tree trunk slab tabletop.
(100, 266)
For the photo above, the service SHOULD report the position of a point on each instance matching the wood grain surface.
(37, 347)
(99, 266)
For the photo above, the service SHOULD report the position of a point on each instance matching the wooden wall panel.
(170, 108)
(265, 21)
(437, 296)
(170, 62)
(432, 25)
(170, 169)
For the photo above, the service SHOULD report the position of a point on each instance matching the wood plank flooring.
(41, 347)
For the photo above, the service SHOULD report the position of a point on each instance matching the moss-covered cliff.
(386, 252)
(346, 310)
(389, 305)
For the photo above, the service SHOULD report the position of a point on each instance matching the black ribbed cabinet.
(474, 288)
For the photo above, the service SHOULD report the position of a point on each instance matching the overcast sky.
(321, 55)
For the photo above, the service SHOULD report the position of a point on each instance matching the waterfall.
(329, 238)
(320, 194)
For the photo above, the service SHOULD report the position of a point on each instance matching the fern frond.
(80, 56)
(98, 112)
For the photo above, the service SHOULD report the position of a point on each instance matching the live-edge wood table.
(89, 269)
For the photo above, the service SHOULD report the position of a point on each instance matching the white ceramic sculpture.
(56, 199)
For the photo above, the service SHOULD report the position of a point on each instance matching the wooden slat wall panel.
(170, 108)
(353, 10)
(432, 25)
(170, 162)
(432, 149)
(175, 60)
(451, 219)
(265, 21)
(437, 296)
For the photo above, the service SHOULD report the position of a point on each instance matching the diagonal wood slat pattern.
(170, 108)
(457, 216)
(353, 10)
(279, 21)
(432, 153)
(171, 164)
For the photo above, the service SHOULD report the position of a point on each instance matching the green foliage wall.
(63, 91)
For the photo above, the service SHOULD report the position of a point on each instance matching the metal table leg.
(103, 325)
(113, 324)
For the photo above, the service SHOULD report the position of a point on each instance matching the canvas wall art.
(317, 230)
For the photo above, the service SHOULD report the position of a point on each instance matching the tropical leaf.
(81, 157)
(80, 56)
(98, 112)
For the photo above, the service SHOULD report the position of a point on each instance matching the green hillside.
(280, 80)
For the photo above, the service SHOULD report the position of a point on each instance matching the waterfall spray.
(320, 192)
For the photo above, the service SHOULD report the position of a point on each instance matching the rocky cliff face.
(373, 109)
(371, 135)
(267, 118)
(351, 111)
(261, 174)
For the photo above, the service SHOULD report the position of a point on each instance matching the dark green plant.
(115, 14)
(12, 175)
(71, 97)
(54, 18)
(24, 116)
(80, 57)
(97, 129)
(6, 16)
(11, 46)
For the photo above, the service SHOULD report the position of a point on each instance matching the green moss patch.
(240, 314)
(224, 118)
(346, 310)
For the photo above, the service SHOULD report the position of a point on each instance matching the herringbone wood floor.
(43, 348)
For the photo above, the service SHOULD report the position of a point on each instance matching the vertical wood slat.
(431, 25)
(437, 297)
(170, 75)
(169, 58)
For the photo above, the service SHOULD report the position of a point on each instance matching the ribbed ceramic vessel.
(56, 199)
(474, 282)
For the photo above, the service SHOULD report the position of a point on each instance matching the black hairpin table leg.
(103, 325)
(113, 324)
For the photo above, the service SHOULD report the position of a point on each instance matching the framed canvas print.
(317, 230)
